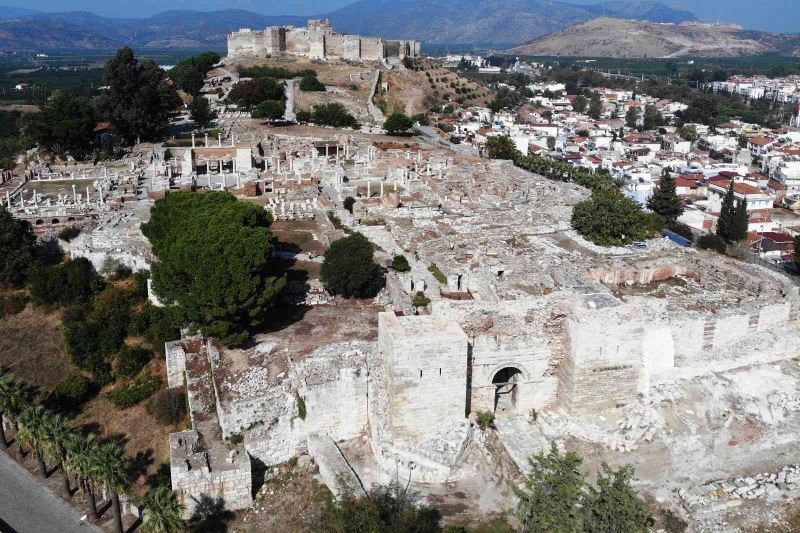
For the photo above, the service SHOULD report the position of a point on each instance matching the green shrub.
(73, 282)
(333, 114)
(348, 204)
(712, 242)
(681, 229)
(236, 438)
(128, 395)
(168, 406)
(400, 263)
(11, 304)
(131, 361)
(671, 522)
(301, 407)
(73, 392)
(440, 277)
(310, 83)
(69, 233)
(398, 123)
(270, 110)
(485, 419)
(420, 300)
(114, 270)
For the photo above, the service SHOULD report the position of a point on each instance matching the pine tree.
(614, 507)
(740, 221)
(552, 492)
(664, 201)
(725, 224)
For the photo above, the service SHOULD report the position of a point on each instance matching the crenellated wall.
(317, 40)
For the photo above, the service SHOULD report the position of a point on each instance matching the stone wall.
(194, 477)
(426, 366)
(536, 387)
(602, 368)
(317, 40)
(176, 363)
(334, 469)
(616, 355)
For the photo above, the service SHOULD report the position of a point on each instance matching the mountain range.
(499, 23)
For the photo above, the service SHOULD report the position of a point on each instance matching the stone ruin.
(317, 41)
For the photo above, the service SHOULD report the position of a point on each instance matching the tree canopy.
(16, 249)
(214, 262)
(270, 109)
(385, 509)
(551, 493)
(190, 74)
(501, 147)
(349, 269)
(201, 111)
(249, 93)
(333, 114)
(608, 218)
(733, 219)
(64, 126)
(555, 498)
(398, 123)
(139, 100)
(664, 201)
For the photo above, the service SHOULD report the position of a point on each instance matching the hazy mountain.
(609, 37)
(480, 22)
(14, 11)
(484, 21)
(645, 10)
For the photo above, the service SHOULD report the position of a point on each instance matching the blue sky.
(773, 15)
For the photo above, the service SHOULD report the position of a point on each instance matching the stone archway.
(506, 389)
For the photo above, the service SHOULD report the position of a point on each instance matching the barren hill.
(610, 37)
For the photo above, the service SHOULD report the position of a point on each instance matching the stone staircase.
(521, 438)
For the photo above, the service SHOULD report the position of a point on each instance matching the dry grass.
(146, 440)
(31, 347)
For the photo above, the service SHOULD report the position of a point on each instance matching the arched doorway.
(505, 383)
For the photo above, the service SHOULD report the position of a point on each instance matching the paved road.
(27, 506)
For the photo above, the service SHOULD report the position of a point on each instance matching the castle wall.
(337, 408)
(536, 387)
(316, 40)
(372, 49)
(194, 477)
(611, 361)
(426, 367)
(602, 368)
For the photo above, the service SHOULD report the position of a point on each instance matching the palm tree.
(163, 513)
(31, 433)
(110, 471)
(57, 432)
(81, 451)
(5, 387)
(14, 398)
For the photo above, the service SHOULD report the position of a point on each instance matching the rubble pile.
(720, 495)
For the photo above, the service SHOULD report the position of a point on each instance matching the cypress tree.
(664, 201)
(740, 221)
(725, 224)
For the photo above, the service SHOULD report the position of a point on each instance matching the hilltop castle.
(317, 40)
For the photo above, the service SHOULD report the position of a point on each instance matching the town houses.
(637, 137)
